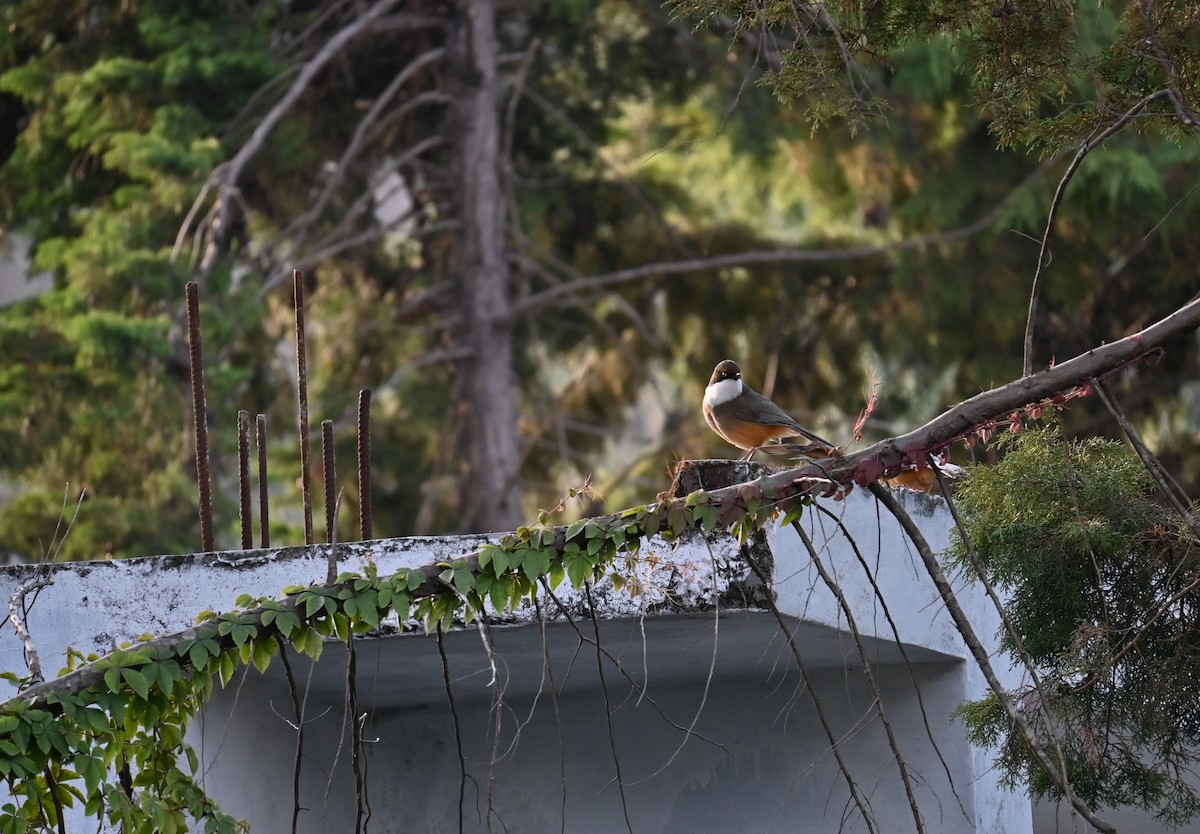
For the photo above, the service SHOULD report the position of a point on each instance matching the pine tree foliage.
(1101, 579)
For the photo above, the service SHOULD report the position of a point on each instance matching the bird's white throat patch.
(722, 392)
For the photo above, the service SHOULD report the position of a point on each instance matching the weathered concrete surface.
(692, 635)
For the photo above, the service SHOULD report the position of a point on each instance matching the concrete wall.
(757, 758)
(758, 761)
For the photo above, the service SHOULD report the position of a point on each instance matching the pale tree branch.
(357, 141)
(227, 175)
(1009, 628)
(664, 269)
(16, 616)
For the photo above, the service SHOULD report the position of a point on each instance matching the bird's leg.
(750, 454)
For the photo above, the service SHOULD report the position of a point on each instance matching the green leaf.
(499, 594)
(707, 517)
(137, 682)
(286, 623)
(578, 568)
(464, 580)
(313, 603)
(264, 650)
(227, 667)
(501, 561)
(574, 529)
(794, 513)
(402, 604)
(555, 575)
(112, 679)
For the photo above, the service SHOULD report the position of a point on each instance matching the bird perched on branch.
(742, 416)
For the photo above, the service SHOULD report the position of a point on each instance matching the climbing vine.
(109, 733)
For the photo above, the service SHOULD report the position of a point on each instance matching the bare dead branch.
(227, 175)
(357, 141)
(774, 256)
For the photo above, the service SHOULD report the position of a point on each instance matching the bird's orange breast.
(745, 435)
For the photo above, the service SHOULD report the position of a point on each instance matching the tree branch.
(877, 460)
(774, 256)
(1087, 148)
(226, 175)
(971, 640)
(15, 605)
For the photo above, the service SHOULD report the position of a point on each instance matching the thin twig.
(638, 687)
(860, 801)
(836, 590)
(558, 723)
(298, 705)
(895, 629)
(971, 640)
(1084, 150)
(356, 742)
(1157, 471)
(708, 679)
(462, 759)
(612, 741)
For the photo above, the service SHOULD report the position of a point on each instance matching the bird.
(742, 416)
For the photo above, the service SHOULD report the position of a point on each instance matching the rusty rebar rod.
(302, 392)
(245, 511)
(364, 466)
(329, 472)
(264, 519)
(199, 416)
